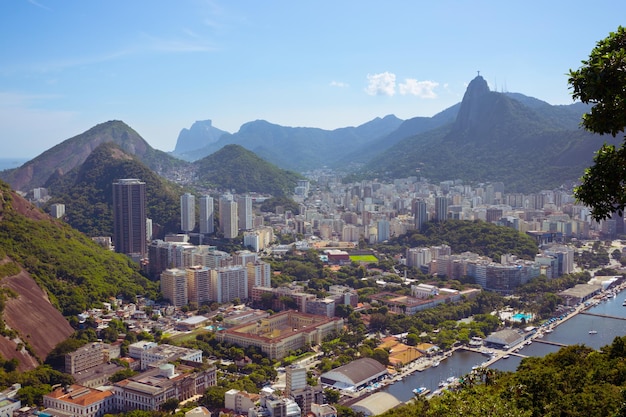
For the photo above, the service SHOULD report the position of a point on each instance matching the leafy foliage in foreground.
(483, 238)
(74, 271)
(575, 381)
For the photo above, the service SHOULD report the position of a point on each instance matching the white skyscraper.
(187, 212)
(206, 215)
(244, 208)
(228, 217)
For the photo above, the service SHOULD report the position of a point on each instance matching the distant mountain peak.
(478, 86)
(473, 103)
(201, 133)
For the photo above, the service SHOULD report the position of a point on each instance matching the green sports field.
(364, 258)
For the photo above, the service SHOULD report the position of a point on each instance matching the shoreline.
(494, 355)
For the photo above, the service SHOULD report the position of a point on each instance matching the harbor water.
(576, 330)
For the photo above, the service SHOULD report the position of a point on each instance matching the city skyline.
(322, 64)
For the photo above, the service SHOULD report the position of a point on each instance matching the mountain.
(525, 143)
(87, 192)
(72, 152)
(407, 128)
(303, 148)
(202, 133)
(49, 270)
(236, 168)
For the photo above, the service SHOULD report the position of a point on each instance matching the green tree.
(381, 355)
(213, 398)
(412, 339)
(170, 405)
(332, 396)
(601, 81)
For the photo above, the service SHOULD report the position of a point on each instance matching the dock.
(547, 342)
(604, 316)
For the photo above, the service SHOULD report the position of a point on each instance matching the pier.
(547, 342)
(604, 316)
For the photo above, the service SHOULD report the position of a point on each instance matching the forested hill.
(236, 168)
(72, 152)
(39, 253)
(483, 238)
(87, 192)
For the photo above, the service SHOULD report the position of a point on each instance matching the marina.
(595, 325)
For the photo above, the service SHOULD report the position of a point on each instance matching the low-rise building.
(282, 332)
(78, 400)
(150, 389)
(504, 339)
(354, 375)
(169, 353)
(9, 403)
(240, 401)
(85, 357)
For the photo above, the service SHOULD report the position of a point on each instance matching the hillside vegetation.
(72, 152)
(87, 192)
(235, 168)
(75, 272)
(485, 239)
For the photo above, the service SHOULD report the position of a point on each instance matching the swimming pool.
(520, 316)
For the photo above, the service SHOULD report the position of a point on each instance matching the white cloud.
(339, 84)
(422, 89)
(35, 3)
(383, 84)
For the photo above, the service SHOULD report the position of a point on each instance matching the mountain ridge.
(72, 152)
(495, 137)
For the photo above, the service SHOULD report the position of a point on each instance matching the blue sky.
(67, 65)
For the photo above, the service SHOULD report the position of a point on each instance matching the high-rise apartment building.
(420, 214)
(441, 209)
(229, 283)
(129, 217)
(174, 286)
(199, 284)
(295, 379)
(384, 230)
(259, 275)
(187, 212)
(228, 217)
(206, 215)
(211, 257)
(244, 212)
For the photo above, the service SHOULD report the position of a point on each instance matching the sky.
(159, 66)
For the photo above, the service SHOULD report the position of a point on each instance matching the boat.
(436, 364)
(421, 391)
(624, 303)
(506, 356)
(593, 331)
